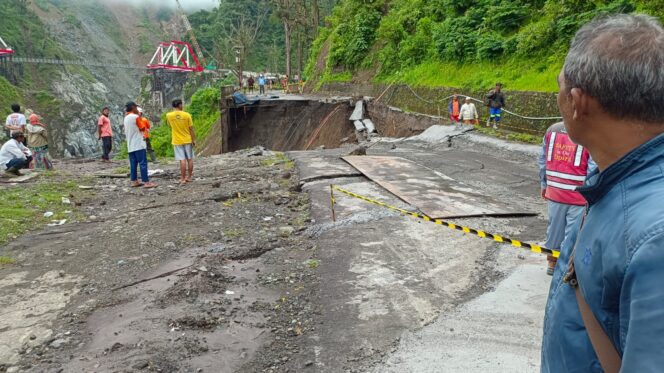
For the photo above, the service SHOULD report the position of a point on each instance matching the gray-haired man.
(606, 311)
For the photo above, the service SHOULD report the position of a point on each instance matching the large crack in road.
(245, 271)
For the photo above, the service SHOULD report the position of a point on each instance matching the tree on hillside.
(285, 11)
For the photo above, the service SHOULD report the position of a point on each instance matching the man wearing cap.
(184, 140)
(105, 134)
(14, 155)
(136, 148)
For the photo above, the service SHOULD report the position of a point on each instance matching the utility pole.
(239, 61)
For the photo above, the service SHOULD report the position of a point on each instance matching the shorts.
(183, 152)
(495, 113)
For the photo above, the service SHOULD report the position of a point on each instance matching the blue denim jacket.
(619, 263)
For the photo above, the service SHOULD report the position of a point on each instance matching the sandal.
(149, 185)
(136, 184)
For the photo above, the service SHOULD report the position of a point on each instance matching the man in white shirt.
(14, 155)
(136, 148)
(15, 121)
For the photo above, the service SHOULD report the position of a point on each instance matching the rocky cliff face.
(98, 31)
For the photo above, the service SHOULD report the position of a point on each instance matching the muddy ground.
(244, 270)
(232, 274)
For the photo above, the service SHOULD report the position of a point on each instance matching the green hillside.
(471, 43)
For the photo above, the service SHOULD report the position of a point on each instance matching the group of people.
(264, 82)
(27, 146)
(466, 112)
(137, 133)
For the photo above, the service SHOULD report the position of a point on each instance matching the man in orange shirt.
(105, 134)
(144, 126)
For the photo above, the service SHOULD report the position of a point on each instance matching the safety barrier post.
(334, 217)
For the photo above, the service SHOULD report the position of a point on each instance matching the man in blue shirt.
(261, 84)
(612, 100)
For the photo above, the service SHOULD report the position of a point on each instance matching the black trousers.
(150, 151)
(107, 146)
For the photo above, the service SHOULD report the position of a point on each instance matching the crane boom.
(190, 30)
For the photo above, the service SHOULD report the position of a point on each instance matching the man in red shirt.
(105, 134)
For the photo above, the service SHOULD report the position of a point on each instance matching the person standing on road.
(468, 112)
(605, 310)
(144, 126)
(250, 83)
(454, 109)
(15, 121)
(136, 148)
(105, 134)
(261, 84)
(183, 140)
(563, 166)
(14, 155)
(284, 84)
(495, 100)
(38, 140)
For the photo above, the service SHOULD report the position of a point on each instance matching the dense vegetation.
(469, 43)
(259, 28)
(204, 109)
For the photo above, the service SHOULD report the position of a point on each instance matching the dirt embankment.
(430, 102)
(213, 276)
(290, 125)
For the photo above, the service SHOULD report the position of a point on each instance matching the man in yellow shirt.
(184, 140)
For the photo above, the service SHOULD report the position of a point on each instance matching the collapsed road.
(245, 270)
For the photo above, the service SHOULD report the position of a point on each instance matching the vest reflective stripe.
(552, 141)
(579, 153)
(566, 168)
(561, 185)
(563, 175)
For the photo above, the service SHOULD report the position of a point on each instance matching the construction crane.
(190, 30)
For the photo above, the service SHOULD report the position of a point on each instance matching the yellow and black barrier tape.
(477, 232)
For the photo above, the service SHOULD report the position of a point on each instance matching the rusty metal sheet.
(432, 192)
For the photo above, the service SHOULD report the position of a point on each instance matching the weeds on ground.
(279, 158)
(233, 232)
(121, 170)
(520, 137)
(5, 260)
(22, 207)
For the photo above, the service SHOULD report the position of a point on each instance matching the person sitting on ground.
(468, 112)
(183, 140)
(15, 121)
(454, 109)
(144, 126)
(38, 140)
(136, 148)
(14, 155)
